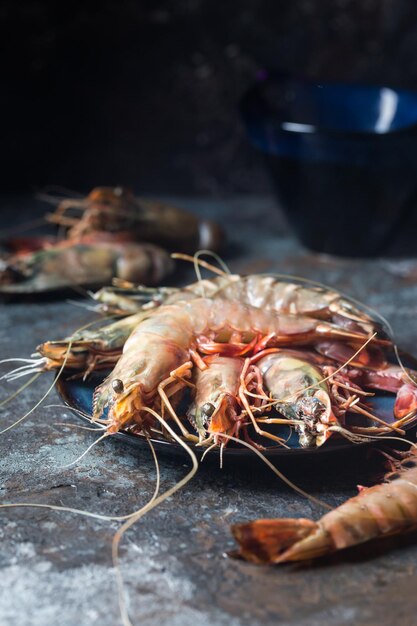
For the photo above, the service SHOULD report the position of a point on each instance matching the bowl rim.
(266, 117)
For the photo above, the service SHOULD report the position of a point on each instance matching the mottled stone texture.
(146, 93)
(56, 567)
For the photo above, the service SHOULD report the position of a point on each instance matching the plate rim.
(338, 445)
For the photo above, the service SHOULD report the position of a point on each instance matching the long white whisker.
(148, 507)
(118, 536)
(360, 438)
(97, 516)
(18, 359)
(81, 414)
(61, 369)
(214, 445)
(276, 471)
(16, 393)
(106, 434)
(27, 368)
(21, 374)
(80, 427)
(45, 395)
(82, 305)
(66, 406)
(215, 256)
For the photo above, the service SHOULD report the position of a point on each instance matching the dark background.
(145, 93)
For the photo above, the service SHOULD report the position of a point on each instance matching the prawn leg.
(373, 371)
(258, 429)
(246, 405)
(393, 378)
(176, 375)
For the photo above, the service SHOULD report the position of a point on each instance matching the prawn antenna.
(75, 426)
(155, 501)
(200, 263)
(80, 290)
(81, 414)
(215, 256)
(16, 393)
(45, 395)
(390, 331)
(37, 366)
(276, 471)
(68, 509)
(31, 366)
(362, 438)
(207, 450)
(84, 305)
(106, 434)
(400, 363)
(118, 536)
(225, 271)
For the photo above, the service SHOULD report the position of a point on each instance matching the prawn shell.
(384, 509)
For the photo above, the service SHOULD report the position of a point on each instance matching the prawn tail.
(281, 540)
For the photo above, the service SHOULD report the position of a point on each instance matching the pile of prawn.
(232, 356)
(227, 359)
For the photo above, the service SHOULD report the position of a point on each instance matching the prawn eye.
(207, 409)
(118, 386)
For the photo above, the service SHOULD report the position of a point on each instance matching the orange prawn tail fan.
(267, 540)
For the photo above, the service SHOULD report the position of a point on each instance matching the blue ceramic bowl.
(343, 160)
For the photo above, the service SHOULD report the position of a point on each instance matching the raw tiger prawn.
(87, 262)
(117, 209)
(386, 509)
(229, 342)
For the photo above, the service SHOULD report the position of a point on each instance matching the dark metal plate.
(78, 395)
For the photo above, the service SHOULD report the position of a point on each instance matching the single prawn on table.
(236, 356)
(117, 209)
(88, 262)
(376, 512)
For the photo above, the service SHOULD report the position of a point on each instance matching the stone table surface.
(56, 567)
